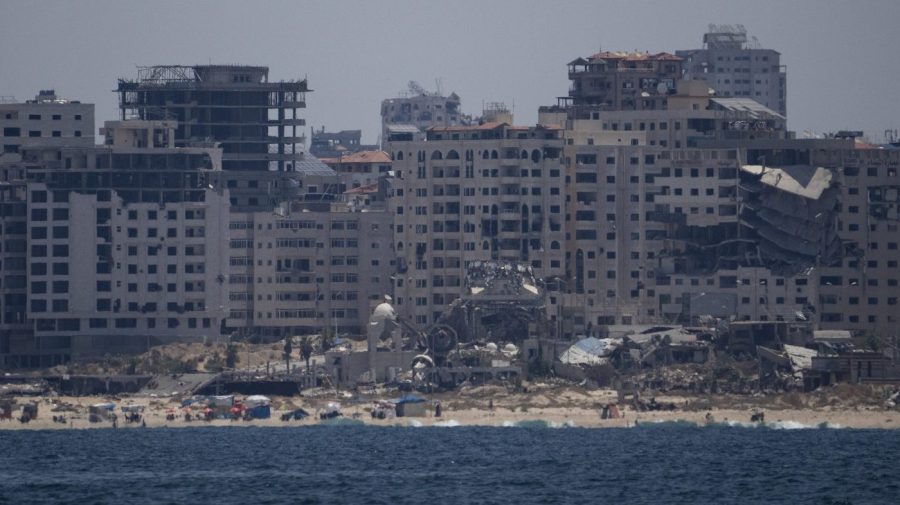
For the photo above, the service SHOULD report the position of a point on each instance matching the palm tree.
(306, 349)
(288, 348)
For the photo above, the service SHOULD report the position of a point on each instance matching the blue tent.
(409, 398)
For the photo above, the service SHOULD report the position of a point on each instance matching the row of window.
(37, 117)
(17, 132)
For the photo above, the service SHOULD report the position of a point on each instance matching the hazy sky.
(842, 57)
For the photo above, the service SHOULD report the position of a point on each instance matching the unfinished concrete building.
(254, 120)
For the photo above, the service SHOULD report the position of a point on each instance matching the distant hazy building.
(737, 67)
(48, 120)
(361, 168)
(621, 81)
(335, 144)
(420, 109)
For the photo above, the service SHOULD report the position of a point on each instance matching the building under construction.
(254, 120)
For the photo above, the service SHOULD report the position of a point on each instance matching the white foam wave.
(414, 423)
(450, 423)
(789, 425)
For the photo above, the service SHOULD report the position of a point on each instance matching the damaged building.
(488, 192)
(710, 207)
(502, 302)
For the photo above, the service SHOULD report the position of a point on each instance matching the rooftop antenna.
(437, 84)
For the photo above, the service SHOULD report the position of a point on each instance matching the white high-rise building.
(735, 66)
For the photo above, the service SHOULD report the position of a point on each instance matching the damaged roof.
(832, 336)
(801, 357)
(753, 108)
(802, 180)
(589, 351)
(402, 128)
(676, 335)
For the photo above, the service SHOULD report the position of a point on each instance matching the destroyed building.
(502, 302)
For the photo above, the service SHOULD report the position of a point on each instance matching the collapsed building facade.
(705, 208)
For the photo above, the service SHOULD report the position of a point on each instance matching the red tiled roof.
(492, 125)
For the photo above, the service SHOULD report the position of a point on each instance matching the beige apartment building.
(362, 168)
(861, 292)
(310, 266)
(656, 219)
(417, 109)
(122, 246)
(469, 193)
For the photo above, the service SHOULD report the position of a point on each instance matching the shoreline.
(505, 415)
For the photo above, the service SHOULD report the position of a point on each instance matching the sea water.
(531, 463)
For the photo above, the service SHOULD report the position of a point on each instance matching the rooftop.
(753, 108)
(310, 165)
(633, 56)
(361, 157)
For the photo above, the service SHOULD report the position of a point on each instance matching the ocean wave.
(662, 423)
(538, 424)
(449, 423)
(341, 421)
(777, 425)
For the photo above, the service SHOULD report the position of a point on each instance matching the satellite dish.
(661, 88)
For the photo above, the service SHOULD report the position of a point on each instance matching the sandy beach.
(572, 408)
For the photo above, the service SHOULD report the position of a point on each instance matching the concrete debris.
(590, 351)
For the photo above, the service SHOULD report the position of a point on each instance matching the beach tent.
(6, 409)
(331, 410)
(220, 405)
(258, 407)
(409, 406)
(296, 414)
(100, 412)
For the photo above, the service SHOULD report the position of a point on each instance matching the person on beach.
(491, 406)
